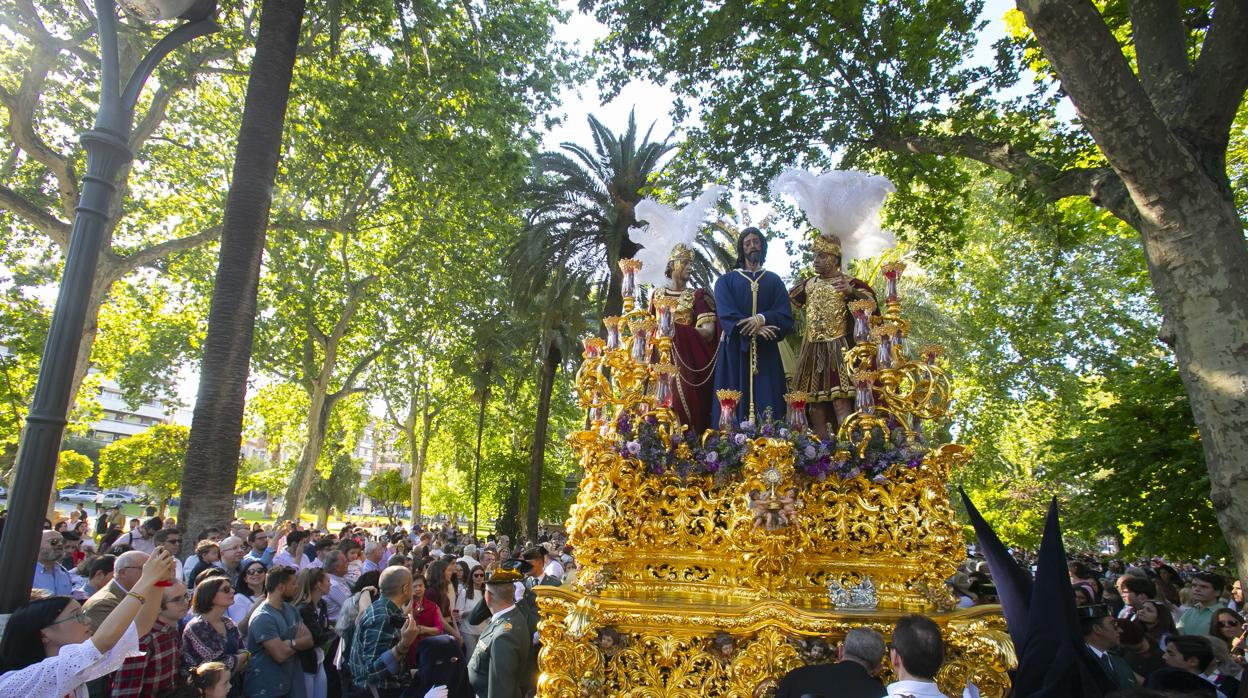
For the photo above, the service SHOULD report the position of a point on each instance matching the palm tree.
(493, 338)
(583, 207)
(217, 425)
(554, 309)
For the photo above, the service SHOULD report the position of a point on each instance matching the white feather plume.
(665, 228)
(844, 203)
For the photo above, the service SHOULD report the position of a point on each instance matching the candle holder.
(612, 324)
(628, 287)
(642, 328)
(864, 397)
(931, 353)
(663, 307)
(797, 410)
(664, 391)
(892, 272)
(882, 336)
(862, 310)
(728, 400)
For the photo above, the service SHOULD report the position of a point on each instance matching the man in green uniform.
(498, 665)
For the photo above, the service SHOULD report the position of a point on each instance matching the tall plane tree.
(1157, 85)
(212, 456)
(168, 196)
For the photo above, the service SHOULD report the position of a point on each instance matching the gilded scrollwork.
(716, 585)
(681, 650)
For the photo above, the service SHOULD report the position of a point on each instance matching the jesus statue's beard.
(754, 257)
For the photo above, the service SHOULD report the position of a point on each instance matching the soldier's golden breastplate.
(683, 313)
(826, 311)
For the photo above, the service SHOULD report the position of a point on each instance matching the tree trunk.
(268, 505)
(217, 426)
(322, 521)
(1193, 238)
(476, 468)
(537, 456)
(320, 406)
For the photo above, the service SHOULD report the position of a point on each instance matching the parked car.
(257, 505)
(116, 499)
(84, 496)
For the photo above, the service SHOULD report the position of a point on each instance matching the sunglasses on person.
(255, 572)
(80, 616)
(1230, 623)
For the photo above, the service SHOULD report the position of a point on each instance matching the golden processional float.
(713, 566)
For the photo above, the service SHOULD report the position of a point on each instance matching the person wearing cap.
(499, 664)
(1101, 634)
(538, 574)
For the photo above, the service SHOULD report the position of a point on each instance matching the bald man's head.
(396, 585)
(128, 568)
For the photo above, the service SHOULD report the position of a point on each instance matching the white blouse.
(67, 673)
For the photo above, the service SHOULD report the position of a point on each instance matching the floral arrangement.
(722, 454)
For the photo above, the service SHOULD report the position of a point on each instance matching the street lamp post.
(108, 149)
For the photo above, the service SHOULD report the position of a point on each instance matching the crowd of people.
(1150, 625)
(377, 612)
(387, 611)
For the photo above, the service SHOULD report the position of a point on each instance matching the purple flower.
(634, 447)
(712, 457)
(712, 468)
(879, 479)
(784, 433)
(677, 437)
(652, 420)
(747, 425)
(809, 451)
(739, 438)
(767, 430)
(915, 462)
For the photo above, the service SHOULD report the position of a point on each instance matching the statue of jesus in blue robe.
(754, 314)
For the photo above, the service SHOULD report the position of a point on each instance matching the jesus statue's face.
(752, 246)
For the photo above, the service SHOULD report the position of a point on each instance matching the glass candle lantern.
(667, 327)
(864, 398)
(641, 348)
(797, 411)
(628, 286)
(892, 272)
(931, 353)
(613, 332)
(884, 351)
(664, 391)
(862, 310)
(728, 400)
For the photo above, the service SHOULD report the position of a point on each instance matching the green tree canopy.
(151, 459)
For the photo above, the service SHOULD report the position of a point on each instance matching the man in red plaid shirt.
(155, 674)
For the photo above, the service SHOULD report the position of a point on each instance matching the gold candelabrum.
(699, 585)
